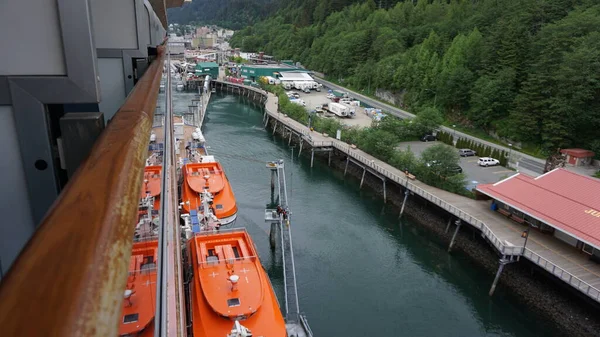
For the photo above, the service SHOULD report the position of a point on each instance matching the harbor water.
(360, 271)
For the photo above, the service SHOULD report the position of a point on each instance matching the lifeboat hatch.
(233, 302)
(131, 318)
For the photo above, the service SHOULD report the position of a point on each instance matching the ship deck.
(187, 135)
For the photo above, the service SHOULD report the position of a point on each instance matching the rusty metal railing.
(69, 278)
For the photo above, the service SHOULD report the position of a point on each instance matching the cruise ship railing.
(70, 277)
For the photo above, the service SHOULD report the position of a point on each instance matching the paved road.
(525, 160)
(473, 172)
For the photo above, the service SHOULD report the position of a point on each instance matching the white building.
(297, 80)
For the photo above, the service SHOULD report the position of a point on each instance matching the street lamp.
(509, 154)
(525, 235)
(455, 141)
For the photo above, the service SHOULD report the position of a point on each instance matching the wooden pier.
(550, 254)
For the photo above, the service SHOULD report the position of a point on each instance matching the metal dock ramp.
(279, 218)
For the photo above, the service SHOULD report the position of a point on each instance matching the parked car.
(428, 138)
(453, 168)
(466, 152)
(293, 94)
(487, 161)
(330, 96)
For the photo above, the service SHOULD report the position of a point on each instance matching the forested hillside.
(233, 14)
(524, 69)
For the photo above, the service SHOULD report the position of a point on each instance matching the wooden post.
(458, 224)
(503, 262)
(301, 143)
(274, 127)
(312, 156)
(384, 192)
(346, 169)
(290, 140)
(448, 225)
(363, 177)
(329, 159)
(267, 121)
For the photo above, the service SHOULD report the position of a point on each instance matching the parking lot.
(315, 98)
(474, 173)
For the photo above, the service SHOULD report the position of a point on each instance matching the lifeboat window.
(233, 302)
(148, 264)
(212, 260)
(211, 252)
(219, 206)
(236, 253)
(131, 318)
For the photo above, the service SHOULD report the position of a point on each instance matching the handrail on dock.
(503, 248)
(70, 277)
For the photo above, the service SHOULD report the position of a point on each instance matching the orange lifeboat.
(151, 185)
(230, 285)
(197, 176)
(140, 293)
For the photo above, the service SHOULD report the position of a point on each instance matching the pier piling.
(312, 156)
(458, 224)
(329, 159)
(403, 203)
(384, 191)
(363, 177)
(346, 168)
(273, 187)
(448, 225)
(503, 262)
(273, 235)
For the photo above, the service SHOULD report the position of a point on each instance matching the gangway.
(296, 323)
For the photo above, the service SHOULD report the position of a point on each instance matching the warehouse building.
(254, 71)
(207, 68)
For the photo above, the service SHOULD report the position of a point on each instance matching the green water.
(360, 272)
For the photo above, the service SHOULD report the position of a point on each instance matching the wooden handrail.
(70, 277)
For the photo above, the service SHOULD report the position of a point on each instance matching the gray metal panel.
(4, 91)
(78, 43)
(79, 132)
(36, 152)
(114, 23)
(17, 225)
(128, 75)
(113, 85)
(141, 29)
(50, 90)
(31, 38)
(107, 53)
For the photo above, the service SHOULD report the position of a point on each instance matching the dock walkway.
(558, 258)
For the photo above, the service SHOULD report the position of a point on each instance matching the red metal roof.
(579, 153)
(562, 199)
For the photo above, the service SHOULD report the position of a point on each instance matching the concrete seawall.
(531, 285)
